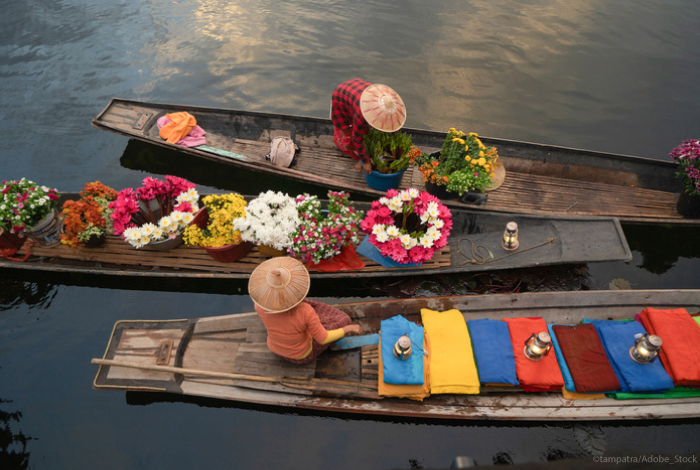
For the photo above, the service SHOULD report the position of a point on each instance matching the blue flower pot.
(382, 182)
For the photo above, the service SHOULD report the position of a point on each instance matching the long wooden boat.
(540, 179)
(226, 357)
(544, 240)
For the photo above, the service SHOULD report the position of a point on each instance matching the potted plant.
(687, 156)
(322, 234)
(86, 221)
(270, 219)
(463, 164)
(408, 226)
(28, 209)
(388, 153)
(156, 213)
(212, 228)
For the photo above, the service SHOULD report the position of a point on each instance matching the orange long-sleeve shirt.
(290, 333)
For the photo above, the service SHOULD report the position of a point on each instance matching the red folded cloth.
(543, 375)
(680, 351)
(347, 260)
(585, 356)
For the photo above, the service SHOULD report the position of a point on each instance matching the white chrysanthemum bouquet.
(270, 219)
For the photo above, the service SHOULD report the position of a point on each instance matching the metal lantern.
(402, 348)
(510, 236)
(646, 349)
(537, 346)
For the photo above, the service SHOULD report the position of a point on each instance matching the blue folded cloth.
(397, 371)
(617, 338)
(370, 251)
(565, 372)
(493, 351)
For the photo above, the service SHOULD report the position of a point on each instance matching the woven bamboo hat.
(383, 108)
(279, 284)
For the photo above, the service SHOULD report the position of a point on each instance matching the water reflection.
(14, 293)
(662, 245)
(13, 442)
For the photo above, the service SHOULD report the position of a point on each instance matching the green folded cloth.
(676, 392)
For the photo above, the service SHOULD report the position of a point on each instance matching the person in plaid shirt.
(355, 106)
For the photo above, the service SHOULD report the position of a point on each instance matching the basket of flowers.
(687, 157)
(325, 234)
(463, 164)
(270, 220)
(407, 227)
(212, 228)
(28, 209)
(156, 214)
(86, 221)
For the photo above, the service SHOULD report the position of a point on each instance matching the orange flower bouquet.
(86, 220)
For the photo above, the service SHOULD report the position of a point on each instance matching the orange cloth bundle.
(413, 392)
(543, 375)
(680, 351)
(179, 126)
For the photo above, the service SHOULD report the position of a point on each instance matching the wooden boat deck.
(540, 179)
(202, 353)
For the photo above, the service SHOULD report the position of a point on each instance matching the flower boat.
(178, 357)
(540, 179)
(474, 244)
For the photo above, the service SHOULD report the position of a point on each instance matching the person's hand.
(352, 329)
(367, 166)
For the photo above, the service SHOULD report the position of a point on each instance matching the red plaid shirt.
(346, 113)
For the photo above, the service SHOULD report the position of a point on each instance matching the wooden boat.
(226, 357)
(540, 179)
(544, 240)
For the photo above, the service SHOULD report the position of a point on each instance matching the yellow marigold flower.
(482, 161)
(467, 158)
(481, 153)
(466, 148)
(474, 134)
(491, 175)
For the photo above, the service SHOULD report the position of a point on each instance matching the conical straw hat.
(279, 284)
(383, 108)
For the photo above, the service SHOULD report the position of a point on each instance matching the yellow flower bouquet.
(212, 227)
(463, 164)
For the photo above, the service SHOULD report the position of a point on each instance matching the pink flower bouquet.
(408, 226)
(158, 210)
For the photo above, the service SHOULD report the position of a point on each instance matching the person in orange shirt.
(298, 329)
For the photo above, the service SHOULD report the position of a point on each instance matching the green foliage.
(388, 151)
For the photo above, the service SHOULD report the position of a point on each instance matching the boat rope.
(478, 258)
(8, 253)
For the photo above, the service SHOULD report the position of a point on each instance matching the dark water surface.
(620, 77)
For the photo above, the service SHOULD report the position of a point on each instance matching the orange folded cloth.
(413, 392)
(543, 375)
(179, 126)
(680, 351)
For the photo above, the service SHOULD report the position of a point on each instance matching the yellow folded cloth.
(179, 126)
(413, 392)
(580, 396)
(452, 365)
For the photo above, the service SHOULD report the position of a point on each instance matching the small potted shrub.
(388, 152)
(86, 220)
(28, 209)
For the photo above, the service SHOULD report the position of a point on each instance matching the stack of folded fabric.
(403, 378)
(617, 338)
(452, 366)
(493, 352)
(540, 376)
(585, 358)
(680, 351)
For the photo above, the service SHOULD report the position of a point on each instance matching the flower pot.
(46, 232)
(9, 241)
(229, 253)
(152, 206)
(96, 241)
(439, 191)
(474, 197)
(384, 182)
(688, 206)
(269, 251)
(167, 244)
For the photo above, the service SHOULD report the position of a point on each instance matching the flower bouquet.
(687, 157)
(212, 228)
(323, 236)
(29, 209)
(270, 220)
(408, 226)
(86, 221)
(463, 164)
(155, 212)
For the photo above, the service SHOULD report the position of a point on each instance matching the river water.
(619, 77)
